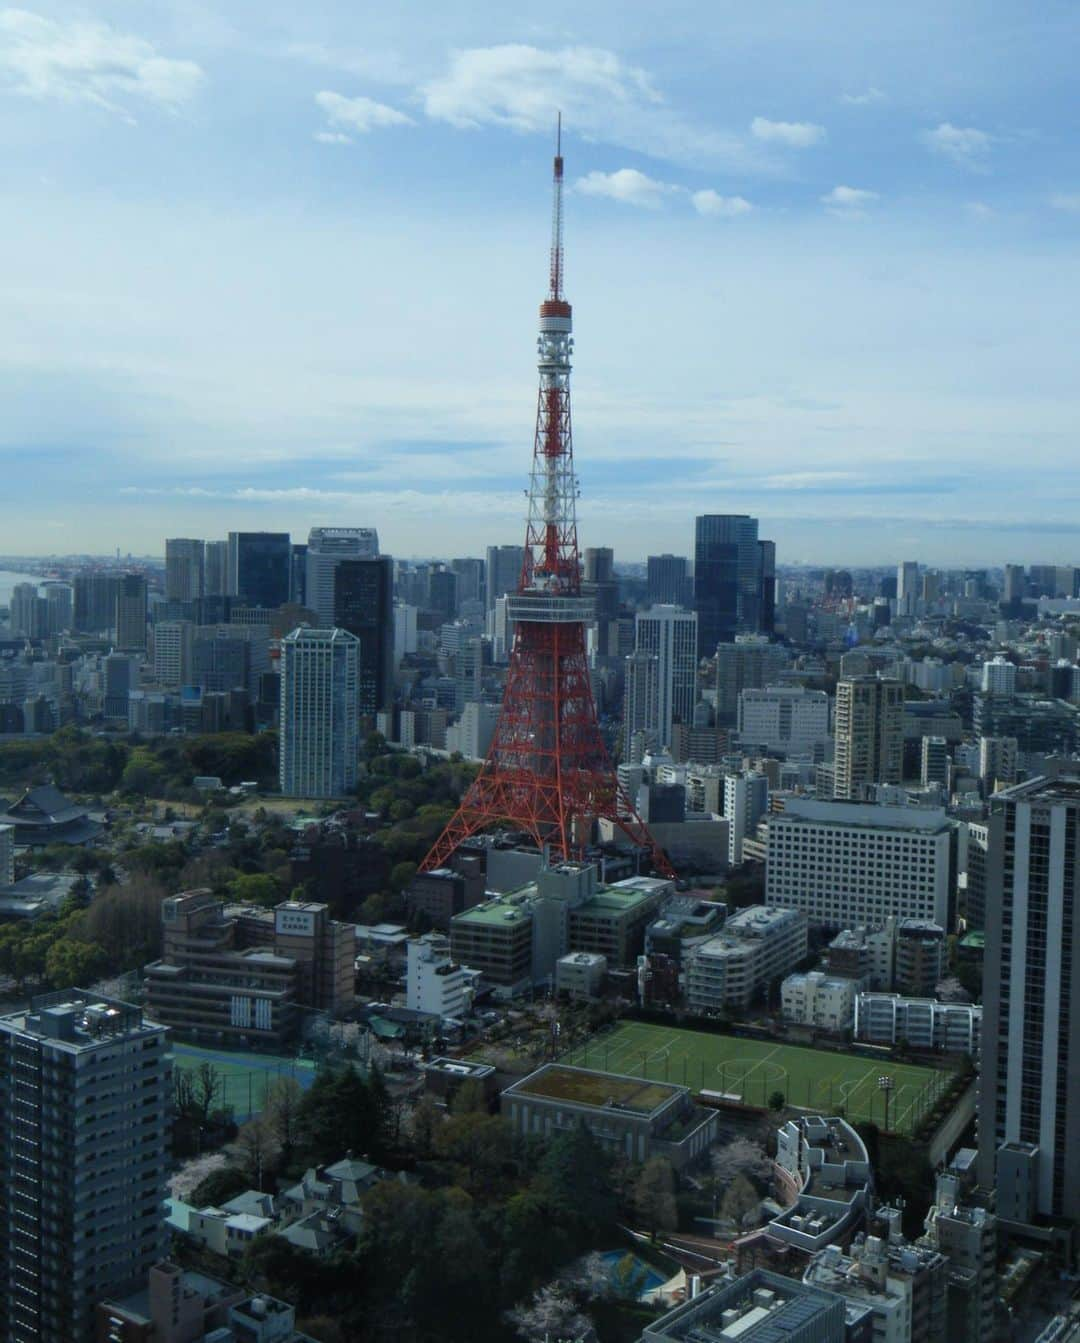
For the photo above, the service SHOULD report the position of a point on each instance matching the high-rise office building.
(442, 592)
(216, 569)
(907, 587)
(364, 605)
(751, 662)
(1015, 587)
(320, 712)
(185, 563)
(503, 571)
(59, 606)
(767, 617)
(1029, 1100)
(869, 735)
(326, 548)
(641, 704)
(470, 580)
(599, 565)
(173, 644)
(670, 634)
(260, 568)
(28, 613)
(85, 1108)
(667, 580)
(746, 800)
(95, 600)
(130, 622)
(788, 719)
(298, 576)
(729, 578)
(999, 677)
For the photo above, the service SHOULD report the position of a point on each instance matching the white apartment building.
(473, 732)
(922, 1023)
(756, 946)
(997, 762)
(788, 720)
(998, 677)
(848, 864)
(327, 547)
(818, 999)
(433, 982)
(641, 703)
(320, 712)
(670, 634)
(746, 800)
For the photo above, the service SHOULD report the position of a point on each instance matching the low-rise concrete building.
(756, 946)
(632, 1117)
(919, 1023)
(581, 974)
(434, 981)
(759, 1307)
(920, 957)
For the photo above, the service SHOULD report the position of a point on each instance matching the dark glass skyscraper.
(727, 578)
(260, 567)
(364, 605)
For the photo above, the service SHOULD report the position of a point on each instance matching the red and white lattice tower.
(548, 771)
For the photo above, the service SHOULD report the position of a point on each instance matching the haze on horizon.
(269, 268)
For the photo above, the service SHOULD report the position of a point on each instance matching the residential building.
(999, 677)
(935, 764)
(95, 600)
(242, 974)
(866, 955)
(434, 983)
(758, 1307)
(784, 720)
(997, 762)
(973, 900)
(668, 581)
(175, 1306)
(364, 605)
(641, 705)
(629, 1116)
(757, 946)
(130, 621)
(326, 548)
(750, 662)
(670, 634)
(920, 957)
(746, 801)
(851, 864)
(260, 568)
(1030, 1079)
(85, 1109)
(861, 1279)
(967, 1235)
(869, 735)
(185, 562)
(320, 719)
(820, 1000)
(729, 579)
(920, 1023)
(174, 643)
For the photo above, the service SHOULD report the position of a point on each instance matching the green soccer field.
(753, 1070)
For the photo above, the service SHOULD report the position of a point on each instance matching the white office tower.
(320, 712)
(746, 800)
(907, 587)
(846, 864)
(472, 734)
(433, 982)
(670, 634)
(404, 630)
(326, 548)
(997, 761)
(787, 720)
(999, 677)
(185, 568)
(85, 1110)
(641, 704)
(869, 735)
(173, 644)
(1029, 1100)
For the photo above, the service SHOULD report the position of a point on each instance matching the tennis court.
(244, 1076)
(754, 1070)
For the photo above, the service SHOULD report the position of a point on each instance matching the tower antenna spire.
(556, 287)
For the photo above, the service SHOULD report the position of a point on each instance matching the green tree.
(256, 888)
(777, 1100)
(69, 963)
(654, 1196)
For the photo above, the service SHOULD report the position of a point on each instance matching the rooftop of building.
(78, 1019)
(758, 919)
(761, 1307)
(596, 1090)
(499, 912)
(463, 1069)
(865, 815)
(1065, 789)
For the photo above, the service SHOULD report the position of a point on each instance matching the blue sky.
(277, 266)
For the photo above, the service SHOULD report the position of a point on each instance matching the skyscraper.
(470, 580)
(728, 578)
(641, 702)
(503, 571)
(173, 644)
(216, 569)
(667, 580)
(95, 600)
(326, 548)
(259, 568)
(869, 735)
(907, 587)
(364, 605)
(670, 633)
(130, 620)
(320, 716)
(84, 1122)
(1029, 1100)
(185, 561)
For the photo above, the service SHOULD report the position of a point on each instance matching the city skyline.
(281, 275)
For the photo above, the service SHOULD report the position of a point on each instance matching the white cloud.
(86, 62)
(627, 185)
(1069, 201)
(710, 202)
(359, 114)
(848, 200)
(965, 145)
(871, 95)
(333, 138)
(793, 134)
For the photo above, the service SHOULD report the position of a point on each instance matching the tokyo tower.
(548, 771)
